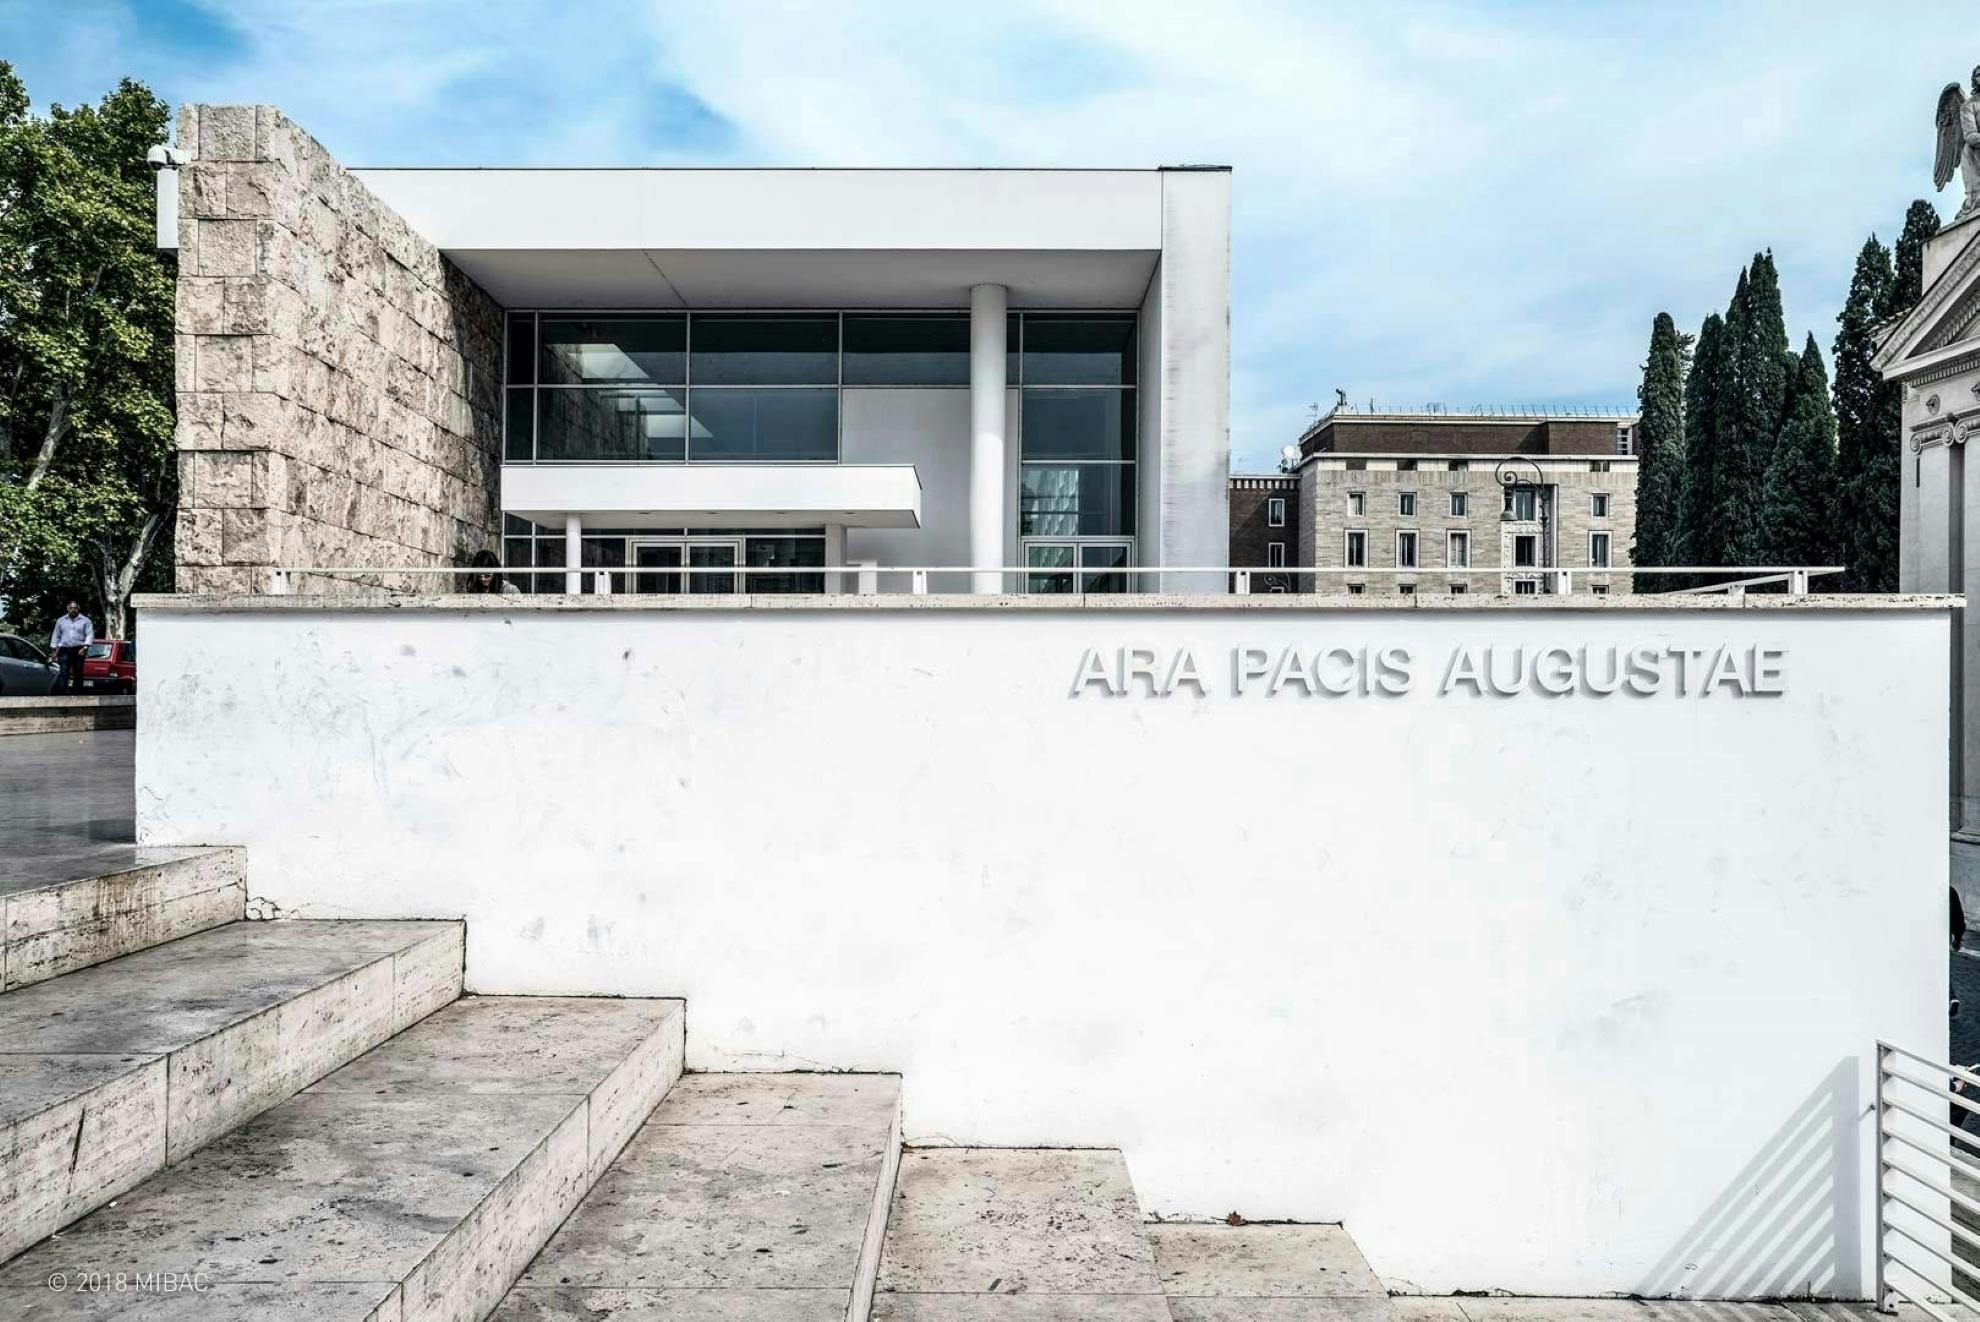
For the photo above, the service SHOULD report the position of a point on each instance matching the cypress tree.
(1660, 450)
(1921, 222)
(1797, 522)
(1761, 367)
(1702, 412)
(1867, 425)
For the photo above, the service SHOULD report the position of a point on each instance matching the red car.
(111, 663)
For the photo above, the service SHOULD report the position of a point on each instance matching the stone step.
(1040, 1234)
(112, 1072)
(51, 928)
(745, 1196)
(415, 1183)
(1266, 1273)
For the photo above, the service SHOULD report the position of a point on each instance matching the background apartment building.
(1442, 501)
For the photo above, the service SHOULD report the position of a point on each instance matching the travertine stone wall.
(338, 379)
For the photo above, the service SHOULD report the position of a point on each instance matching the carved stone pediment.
(1936, 338)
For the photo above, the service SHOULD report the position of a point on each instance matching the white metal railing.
(1918, 1168)
(865, 577)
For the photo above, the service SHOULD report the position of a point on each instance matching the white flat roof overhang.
(636, 238)
(760, 495)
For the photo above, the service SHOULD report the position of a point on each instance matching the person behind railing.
(489, 581)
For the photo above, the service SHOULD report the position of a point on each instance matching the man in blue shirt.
(72, 636)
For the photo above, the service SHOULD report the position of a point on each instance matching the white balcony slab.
(414, 1184)
(762, 495)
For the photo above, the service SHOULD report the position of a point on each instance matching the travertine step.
(972, 1227)
(48, 930)
(413, 1184)
(109, 1073)
(745, 1196)
(1269, 1273)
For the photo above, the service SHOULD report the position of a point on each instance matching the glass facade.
(700, 554)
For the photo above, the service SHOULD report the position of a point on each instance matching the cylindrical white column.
(573, 553)
(988, 306)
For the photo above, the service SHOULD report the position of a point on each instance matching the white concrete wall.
(1550, 994)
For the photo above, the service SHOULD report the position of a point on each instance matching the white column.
(573, 553)
(988, 306)
(835, 555)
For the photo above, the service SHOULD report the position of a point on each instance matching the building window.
(1076, 500)
(1275, 555)
(1599, 465)
(1598, 550)
(1460, 504)
(1078, 565)
(1457, 589)
(1405, 465)
(1526, 551)
(1405, 550)
(1526, 587)
(1405, 589)
(1355, 554)
(1524, 502)
(1078, 446)
(1275, 512)
(909, 351)
(1406, 504)
(1598, 504)
(1622, 440)
(1600, 589)
(665, 560)
(1457, 550)
(1357, 504)
(1355, 589)
(1460, 465)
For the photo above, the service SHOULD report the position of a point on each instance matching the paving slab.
(1425, 1308)
(112, 1072)
(1261, 1262)
(973, 1228)
(48, 928)
(382, 1192)
(1515, 1309)
(752, 1195)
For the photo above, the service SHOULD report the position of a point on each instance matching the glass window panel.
(776, 552)
(1013, 337)
(738, 424)
(1078, 351)
(1103, 557)
(1048, 557)
(611, 424)
(1076, 500)
(907, 351)
(765, 351)
(1077, 424)
(703, 555)
(603, 350)
(519, 435)
(522, 348)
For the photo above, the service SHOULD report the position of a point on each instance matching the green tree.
(1797, 520)
(87, 467)
(1867, 426)
(1660, 450)
(1761, 370)
(1703, 414)
(1921, 222)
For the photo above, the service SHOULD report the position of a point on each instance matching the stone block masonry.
(338, 379)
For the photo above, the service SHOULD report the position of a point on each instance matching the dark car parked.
(25, 670)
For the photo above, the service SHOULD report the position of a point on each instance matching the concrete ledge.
(415, 1183)
(110, 1073)
(55, 929)
(889, 601)
(63, 712)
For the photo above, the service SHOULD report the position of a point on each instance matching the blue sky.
(1455, 203)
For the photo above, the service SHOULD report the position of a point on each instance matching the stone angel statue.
(1959, 142)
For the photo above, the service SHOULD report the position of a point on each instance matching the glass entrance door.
(683, 564)
(1077, 565)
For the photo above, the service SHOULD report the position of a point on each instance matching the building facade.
(1404, 502)
(1265, 519)
(1934, 350)
(697, 380)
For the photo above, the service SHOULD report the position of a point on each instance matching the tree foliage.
(1660, 447)
(1797, 523)
(1868, 421)
(87, 468)
(1921, 222)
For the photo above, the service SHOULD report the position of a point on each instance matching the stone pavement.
(1440, 1308)
(71, 810)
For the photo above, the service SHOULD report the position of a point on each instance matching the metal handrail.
(1562, 578)
(1915, 1285)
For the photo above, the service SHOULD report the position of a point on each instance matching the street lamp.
(1511, 478)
